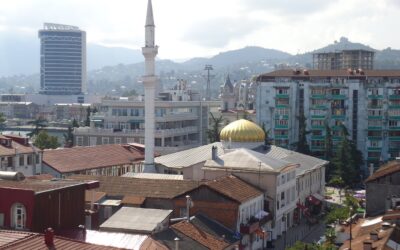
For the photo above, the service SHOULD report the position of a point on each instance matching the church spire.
(149, 16)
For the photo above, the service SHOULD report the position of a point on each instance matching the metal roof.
(135, 220)
(248, 160)
(187, 158)
(154, 176)
(120, 240)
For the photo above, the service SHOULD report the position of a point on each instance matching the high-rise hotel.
(62, 60)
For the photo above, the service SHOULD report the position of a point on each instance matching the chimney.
(373, 236)
(176, 243)
(49, 237)
(367, 245)
(83, 231)
(213, 153)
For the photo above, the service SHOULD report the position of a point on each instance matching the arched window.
(18, 216)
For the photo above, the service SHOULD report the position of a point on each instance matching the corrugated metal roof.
(247, 159)
(120, 240)
(154, 176)
(133, 219)
(189, 157)
(306, 162)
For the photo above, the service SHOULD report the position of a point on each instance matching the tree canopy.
(213, 132)
(45, 141)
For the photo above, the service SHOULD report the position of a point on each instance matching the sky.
(193, 28)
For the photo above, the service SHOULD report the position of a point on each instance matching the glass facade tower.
(62, 60)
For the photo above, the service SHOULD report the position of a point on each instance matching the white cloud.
(200, 28)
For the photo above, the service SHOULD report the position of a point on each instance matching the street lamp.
(351, 222)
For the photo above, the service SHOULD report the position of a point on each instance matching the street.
(303, 232)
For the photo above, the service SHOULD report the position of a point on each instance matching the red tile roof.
(386, 169)
(234, 188)
(34, 241)
(148, 188)
(132, 200)
(39, 185)
(16, 147)
(68, 160)
(204, 238)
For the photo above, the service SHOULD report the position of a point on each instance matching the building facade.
(18, 155)
(179, 125)
(344, 59)
(62, 60)
(367, 103)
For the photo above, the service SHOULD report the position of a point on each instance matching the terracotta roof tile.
(38, 185)
(386, 169)
(148, 188)
(93, 195)
(234, 188)
(200, 236)
(16, 148)
(68, 160)
(132, 200)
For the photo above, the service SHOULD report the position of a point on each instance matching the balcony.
(394, 128)
(134, 132)
(394, 97)
(394, 106)
(375, 96)
(375, 138)
(375, 117)
(338, 117)
(317, 137)
(338, 97)
(374, 128)
(374, 149)
(317, 127)
(282, 106)
(281, 117)
(281, 136)
(316, 96)
(283, 96)
(319, 106)
(317, 148)
(318, 117)
(394, 138)
(281, 126)
(250, 227)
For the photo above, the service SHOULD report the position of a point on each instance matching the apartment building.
(366, 102)
(179, 124)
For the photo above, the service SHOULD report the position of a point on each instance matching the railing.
(249, 228)
(167, 132)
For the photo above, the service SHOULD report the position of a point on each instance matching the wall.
(9, 196)
(60, 209)
(379, 190)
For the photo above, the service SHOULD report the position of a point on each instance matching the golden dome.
(242, 131)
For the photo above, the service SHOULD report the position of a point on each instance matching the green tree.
(39, 124)
(213, 132)
(69, 137)
(75, 123)
(45, 141)
(347, 160)
(328, 153)
(266, 132)
(302, 144)
(2, 121)
(88, 113)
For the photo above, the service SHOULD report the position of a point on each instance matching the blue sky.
(189, 28)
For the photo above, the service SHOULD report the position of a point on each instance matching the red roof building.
(108, 160)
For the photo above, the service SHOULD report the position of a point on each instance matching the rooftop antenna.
(208, 68)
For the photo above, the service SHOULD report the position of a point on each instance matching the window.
(92, 141)
(1, 220)
(79, 141)
(21, 160)
(29, 160)
(182, 212)
(130, 140)
(105, 140)
(37, 158)
(18, 214)
(117, 140)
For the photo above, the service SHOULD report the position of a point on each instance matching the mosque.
(289, 180)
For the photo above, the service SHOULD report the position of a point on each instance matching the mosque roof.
(242, 131)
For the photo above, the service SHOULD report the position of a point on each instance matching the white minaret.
(149, 81)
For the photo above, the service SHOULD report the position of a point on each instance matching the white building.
(288, 179)
(366, 102)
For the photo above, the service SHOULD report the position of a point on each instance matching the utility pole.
(208, 68)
